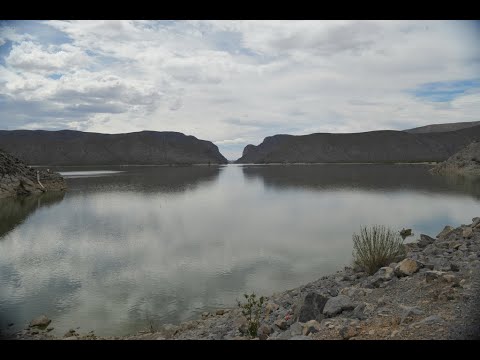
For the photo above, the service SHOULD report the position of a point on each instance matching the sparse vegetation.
(251, 310)
(376, 247)
(152, 328)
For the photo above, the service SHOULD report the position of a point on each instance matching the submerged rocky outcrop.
(433, 293)
(465, 162)
(16, 178)
(373, 146)
(66, 147)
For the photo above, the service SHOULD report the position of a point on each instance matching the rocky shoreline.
(18, 179)
(434, 293)
(465, 162)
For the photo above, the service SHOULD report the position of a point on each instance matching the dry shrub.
(376, 247)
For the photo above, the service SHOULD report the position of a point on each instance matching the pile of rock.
(464, 162)
(16, 178)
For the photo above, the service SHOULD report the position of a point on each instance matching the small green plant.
(251, 310)
(376, 247)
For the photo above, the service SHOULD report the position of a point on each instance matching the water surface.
(126, 246)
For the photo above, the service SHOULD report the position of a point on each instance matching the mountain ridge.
(72, 147)
(370, 146)
(444, 127)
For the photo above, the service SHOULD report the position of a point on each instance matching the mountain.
(442, 127)
(464, 162)
(373, 146)
(16, 178)
(66, 147)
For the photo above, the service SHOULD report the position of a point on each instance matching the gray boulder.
(467, 232)
(337, 304)
(407, 267)
(296, 329)
(383, 274)
(425, 240)
(359, 312)
(41, 321)
(446, 230)
(312, 307)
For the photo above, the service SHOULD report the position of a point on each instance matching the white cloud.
(229, 81)
(231, 141)
(31, 57)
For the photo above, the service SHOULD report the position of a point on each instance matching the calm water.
(129, 245)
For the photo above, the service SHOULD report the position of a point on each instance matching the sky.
(236, 82)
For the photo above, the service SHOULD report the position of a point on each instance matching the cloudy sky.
(236, 82)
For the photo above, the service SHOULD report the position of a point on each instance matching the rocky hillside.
(16, 178)
(373, 146)
(464, 162)
(81, 148)
(443, 127)
(433, 293)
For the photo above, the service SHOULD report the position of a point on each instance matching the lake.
(127, 246)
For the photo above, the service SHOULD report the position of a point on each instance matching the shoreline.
(437, 296)
(343, 163)
(243, 164)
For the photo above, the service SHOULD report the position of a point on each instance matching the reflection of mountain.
(366, 176)
(145, 179)
(13, 211)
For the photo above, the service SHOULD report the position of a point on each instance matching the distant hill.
(443, 127)
(373, 146)
(66, 147)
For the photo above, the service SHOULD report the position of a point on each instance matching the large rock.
(467, 232)
(312, 307)
(407, 267)
(296, 329)
(383, 274)
(425, 240)
(359, 312)
(446, 230)
(337, 304)
(41, 321)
